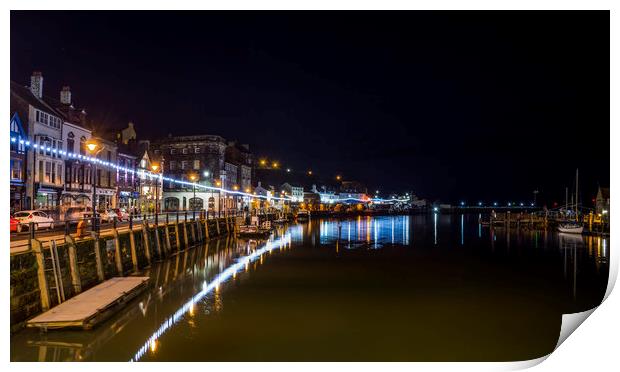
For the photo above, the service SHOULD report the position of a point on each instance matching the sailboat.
(573, 227)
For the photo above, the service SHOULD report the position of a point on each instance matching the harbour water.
(397, 288)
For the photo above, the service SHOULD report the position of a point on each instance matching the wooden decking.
(93, 306)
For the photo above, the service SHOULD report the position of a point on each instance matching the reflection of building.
(18, 164)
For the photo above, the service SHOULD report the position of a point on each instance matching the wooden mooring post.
(98, 260)
(73, 266)
(37, 247)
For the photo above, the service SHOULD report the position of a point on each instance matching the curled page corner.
(570, 322)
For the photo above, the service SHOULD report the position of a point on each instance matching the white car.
(40, 219)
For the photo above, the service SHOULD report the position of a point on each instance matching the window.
(184, 164)
(59, 173)
(195, 204)
(48, 120)
(173, 151)
(171, 204)
(70, 142)
(16, 169)
(172, 165)
(211, 203)
(48, 172)
(197, 150)
(185, 150)
(196, 164)
(53, 166)
(109, 155)
(83, 145)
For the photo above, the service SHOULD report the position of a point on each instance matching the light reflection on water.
(192, 287)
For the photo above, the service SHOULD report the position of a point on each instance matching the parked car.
(15, 226)
(39, 218)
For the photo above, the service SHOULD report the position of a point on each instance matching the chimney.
(65, 95)
(36, 84)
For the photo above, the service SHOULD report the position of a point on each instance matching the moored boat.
(253, 231)
(303, 215)
(571, 228)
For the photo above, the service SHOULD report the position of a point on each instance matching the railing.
(101, 223)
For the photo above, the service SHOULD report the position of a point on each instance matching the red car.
(15, 226)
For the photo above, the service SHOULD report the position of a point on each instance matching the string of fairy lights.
(146, 174)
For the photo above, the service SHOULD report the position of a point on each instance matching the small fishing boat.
(253, 231)
(303, 215)
(571, 228)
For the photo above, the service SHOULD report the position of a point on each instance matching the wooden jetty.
(93, 306)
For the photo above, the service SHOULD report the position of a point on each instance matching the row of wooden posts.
(199, 232)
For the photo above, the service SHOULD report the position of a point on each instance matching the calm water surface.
(403, 288)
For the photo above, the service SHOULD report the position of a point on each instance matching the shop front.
(106, 199)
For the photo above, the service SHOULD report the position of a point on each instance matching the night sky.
(452, 105)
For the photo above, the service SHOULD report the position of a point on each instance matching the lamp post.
(94, 148)
(193, 178)
(155, 168)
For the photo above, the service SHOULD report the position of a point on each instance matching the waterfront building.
(18, 164)
(105, 177)
(602, 201)
(78, 181)
(150, 188)
(206, 160)
(127, 194)
(43, 124)
(76, 132)
(295, 191)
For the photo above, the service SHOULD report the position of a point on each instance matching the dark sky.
(453, 105)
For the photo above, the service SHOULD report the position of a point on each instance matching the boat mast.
(576, 197)
(566, 204)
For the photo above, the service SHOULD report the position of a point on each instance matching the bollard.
(81, 229)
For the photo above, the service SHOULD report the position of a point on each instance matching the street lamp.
(155, 168)
(93, 148)
(193, 178)
(338, 177)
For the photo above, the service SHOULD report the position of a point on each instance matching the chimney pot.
(36, 84)
(65, 95)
